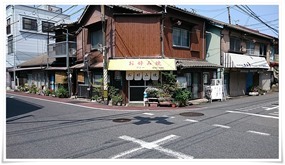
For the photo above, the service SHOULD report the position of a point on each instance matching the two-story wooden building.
(141, 42)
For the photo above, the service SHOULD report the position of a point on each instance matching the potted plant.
(181, 96)
(117, 100)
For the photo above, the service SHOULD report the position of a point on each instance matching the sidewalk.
(95, 105)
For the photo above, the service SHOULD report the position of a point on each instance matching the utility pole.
(229, 14)
(67, 62)
(105, 69)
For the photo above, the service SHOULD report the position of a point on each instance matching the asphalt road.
(244, 128)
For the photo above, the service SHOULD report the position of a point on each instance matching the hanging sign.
(146, 75)
(154, 75)
(138, 75)
(129, 75)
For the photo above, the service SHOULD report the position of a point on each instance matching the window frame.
(8, 26)
(95, 46)
(33, 24)
(10, 44)
(49, 25)
(235, 41)
(250, 47)
(181, 38)
(262, 49)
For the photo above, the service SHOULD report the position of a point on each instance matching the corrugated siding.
(137, 36)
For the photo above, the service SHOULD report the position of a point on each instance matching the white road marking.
(151, 114)
(151, 145)
(252, 107)
(268, 109)
(260, 133)
(253, 114)
(274, 113)
(172, 117)
(11, 97)
(222, 126)
(194, 121)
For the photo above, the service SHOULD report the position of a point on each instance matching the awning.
(195, 64)
(56, 68)
(29, 68)
(141, 64)
(94, 65)
(232, 60)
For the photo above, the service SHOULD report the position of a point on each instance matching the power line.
(262, 23)
(251, 13)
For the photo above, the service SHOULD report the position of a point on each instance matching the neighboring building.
(141, 42)
(28, 33)
(50, 69)
(245, 55)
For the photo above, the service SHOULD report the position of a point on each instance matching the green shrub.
(181, 96)
(117, 99)
(61, 92)
(33, 89)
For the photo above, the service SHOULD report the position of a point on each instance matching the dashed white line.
(259, 133)
(194, 121)
(150, 114)
(222, 126)
(253, 114)
(268, 109)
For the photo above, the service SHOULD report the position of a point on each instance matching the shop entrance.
(137, 87)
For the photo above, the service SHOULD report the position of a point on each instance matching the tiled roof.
(195, 64)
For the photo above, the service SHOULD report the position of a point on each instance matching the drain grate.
(121, 120)
(191, 114)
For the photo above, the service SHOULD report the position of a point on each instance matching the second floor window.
(8, 27)
(30, 24)
(262, 50)
(10, 44)
(250, 47)
(46, 26)
(234, 44)
(180, 37)
(96, 39)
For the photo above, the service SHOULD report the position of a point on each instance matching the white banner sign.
(138, 75)
(154, 75)
(146, 75)
(129, 75)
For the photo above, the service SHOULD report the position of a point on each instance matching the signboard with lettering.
(129, 75)
(138, 75)
(141, 64)
(154, 75)
(146, 75)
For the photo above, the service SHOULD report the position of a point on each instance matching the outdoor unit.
(83, 90)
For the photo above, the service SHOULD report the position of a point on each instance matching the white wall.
(29, 44)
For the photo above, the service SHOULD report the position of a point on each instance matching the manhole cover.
(121, 120)
(191, 114)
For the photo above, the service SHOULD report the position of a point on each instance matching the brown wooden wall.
(196, 41)
(137, 36)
